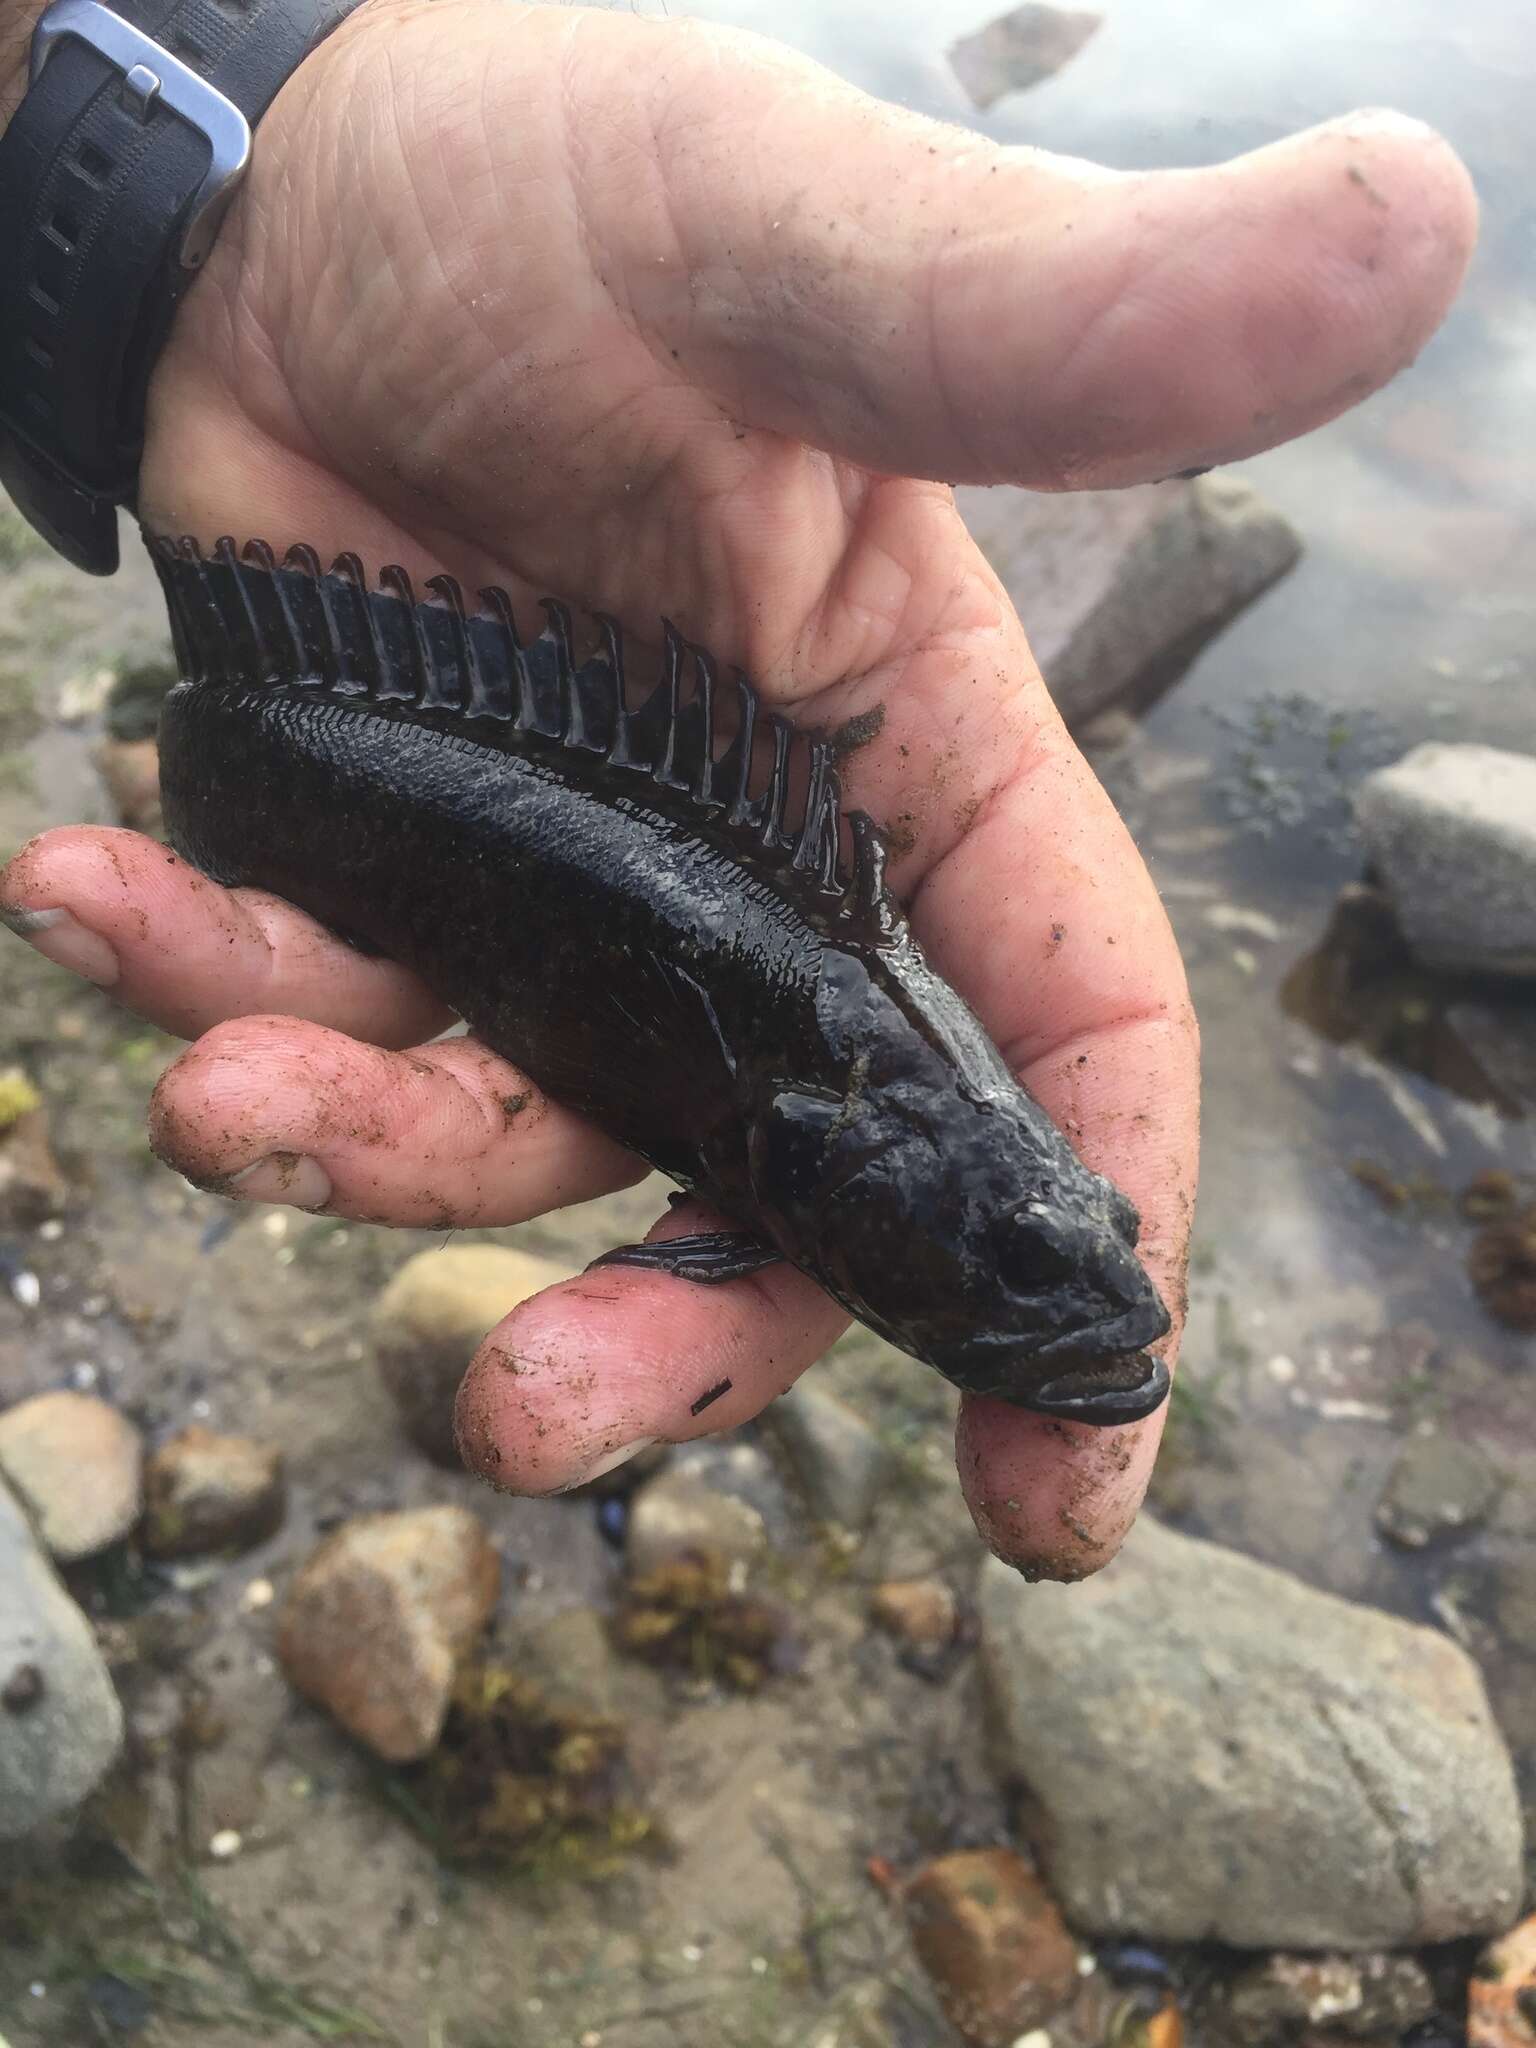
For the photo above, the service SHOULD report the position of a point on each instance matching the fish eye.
(1037, 1255)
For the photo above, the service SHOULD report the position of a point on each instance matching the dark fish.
(683, 939)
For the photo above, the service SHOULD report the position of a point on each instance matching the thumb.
(924, 302)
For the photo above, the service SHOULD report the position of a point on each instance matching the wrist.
(18, 18)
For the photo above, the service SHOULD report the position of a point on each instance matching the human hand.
(654, 316)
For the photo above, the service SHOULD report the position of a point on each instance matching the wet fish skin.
(665, 935)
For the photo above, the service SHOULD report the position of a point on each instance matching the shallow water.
(1411, 616)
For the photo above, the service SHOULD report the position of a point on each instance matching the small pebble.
(225, 1843)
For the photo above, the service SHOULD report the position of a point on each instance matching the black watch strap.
(113, 171)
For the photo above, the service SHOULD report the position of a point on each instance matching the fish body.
(663, 916)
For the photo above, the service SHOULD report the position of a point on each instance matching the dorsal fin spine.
(665, 769)
(742, 811)
(771, 833)
(446, 590)
(621, 752)
(704, 684)
(349, 568)
(499, 607)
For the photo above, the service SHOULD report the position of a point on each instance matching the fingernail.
(290, 1177)
(62, 938)
(610, 1461)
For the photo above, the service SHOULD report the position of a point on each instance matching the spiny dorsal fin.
(241, 616)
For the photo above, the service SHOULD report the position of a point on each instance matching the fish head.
(937, 1200)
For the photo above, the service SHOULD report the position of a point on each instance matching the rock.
(1502, 1265)
(1215, 1751)
(430, 1321)
(32, 1187)
(131, 771)
(1451, 830)
(375, 1623)
(1501, 1037)
(1437, 1488)
(1019, 49)
(60, 1722)
(1119, 590)
(920, 1612)
(678, 1513)
(1501, 1998)
(78, 1465)
(1352, 1997)
(992, 1941)
(839, 1461)
(204, 1492)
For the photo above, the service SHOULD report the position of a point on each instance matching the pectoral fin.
(707, 1257)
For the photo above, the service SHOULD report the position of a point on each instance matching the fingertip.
(1053, 1499)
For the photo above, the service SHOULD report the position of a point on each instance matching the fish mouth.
(1089, 1395)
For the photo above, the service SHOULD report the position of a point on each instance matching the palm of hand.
(646, 316)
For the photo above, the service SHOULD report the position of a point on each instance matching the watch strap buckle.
(153, 77)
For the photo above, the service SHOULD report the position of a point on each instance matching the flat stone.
(993, 1943)
(1212, 1750)
(432, 1318)
(1020, 49)
(1451, 830)
(78, 1465)
(203, 1491)
(677, 1513)
(1437, 1488)
(374, 1625)
(1120, 590)
(840, 1463)
(60, 1722)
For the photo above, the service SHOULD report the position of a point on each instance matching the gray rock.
(1451, 830)
(1214, 1750)
(1437, 1488)
(839, 1461)
(1020, 49)
(60, 1722)
(1501, 1037)
(1119, 590)
(78, 1464)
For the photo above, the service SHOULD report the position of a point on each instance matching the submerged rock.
(203, 1491)
(1437, 1488)
(1123, 588)
(923, 1613)
(677, 1515)
(32, 1184)
(1501, 1999)
(1020, 49)
(1350, 1997)
(430, 1321)
(1451, 829)
(78, 1464)
(1502, 1265)
(60, 1722)
(840, 1462)
(1213, 1750)
(377, 1622)
(993, 1942)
